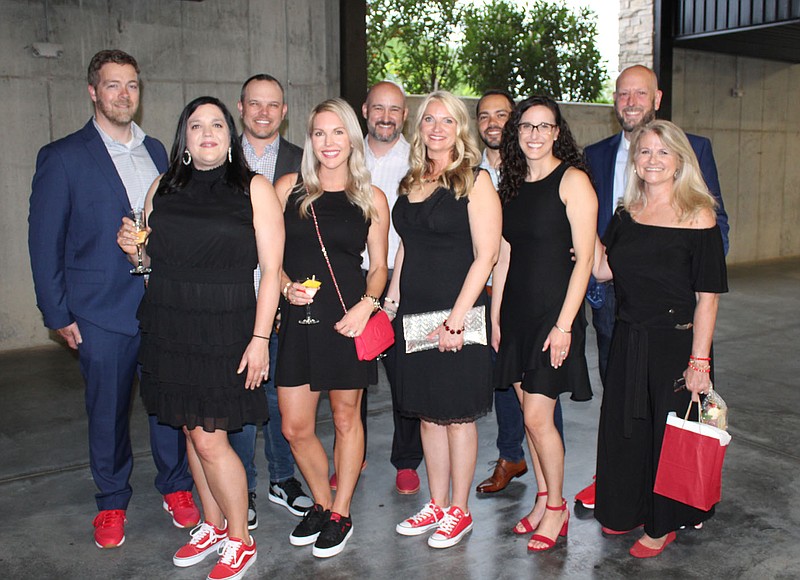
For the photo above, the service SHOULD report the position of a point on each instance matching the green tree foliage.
(412, 41)
(537, 47)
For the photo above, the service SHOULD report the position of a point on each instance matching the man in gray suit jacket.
(263, 109)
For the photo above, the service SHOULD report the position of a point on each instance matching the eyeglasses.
(543, 128)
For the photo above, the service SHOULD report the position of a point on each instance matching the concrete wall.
(756, 139)
(185, 49)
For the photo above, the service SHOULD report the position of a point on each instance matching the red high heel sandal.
(527, 527)
(549, 543)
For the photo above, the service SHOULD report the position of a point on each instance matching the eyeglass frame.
(545, 129)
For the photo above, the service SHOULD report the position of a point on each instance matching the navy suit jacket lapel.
(98, 151)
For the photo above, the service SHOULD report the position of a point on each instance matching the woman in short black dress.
(448, 218)
(549, 206)
(204, 335)
(666, 257)
(331, 199)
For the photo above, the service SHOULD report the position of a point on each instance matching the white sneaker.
(425, 519)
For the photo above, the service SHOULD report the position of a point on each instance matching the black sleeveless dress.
(535, 224)
(198, 312)
(657, 271)
(316, 354)
(440, 387)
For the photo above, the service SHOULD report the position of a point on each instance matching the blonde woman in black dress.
(331, 199)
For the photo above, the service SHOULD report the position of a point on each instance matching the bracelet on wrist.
(285, 290)
(700, 358)
(390, 301)
(452, 330)
(259, 336)
(376, 303)
(698, 369)
(561, 330)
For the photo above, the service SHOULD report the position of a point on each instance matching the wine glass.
(137, 216)
(311, 286)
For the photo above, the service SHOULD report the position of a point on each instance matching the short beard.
(119, 118)
(262, 135)
(490, 145)
(373, 132)
(628, 128)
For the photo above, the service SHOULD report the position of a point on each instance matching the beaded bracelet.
(706, 359)
(699, 369)
(452, 330)
(390, 301)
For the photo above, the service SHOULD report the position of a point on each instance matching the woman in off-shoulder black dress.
(666, 257)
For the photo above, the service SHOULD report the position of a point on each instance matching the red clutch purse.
(378, 335)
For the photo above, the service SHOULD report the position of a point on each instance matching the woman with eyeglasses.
(538, 323)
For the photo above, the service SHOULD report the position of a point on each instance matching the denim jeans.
(603, 320)
(276, 448)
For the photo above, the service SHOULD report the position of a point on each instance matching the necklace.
(427, 180)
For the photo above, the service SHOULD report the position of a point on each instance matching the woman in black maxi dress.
(665, 252)
(549, 206)
(204, 335)
(448, 218)
(332, 200)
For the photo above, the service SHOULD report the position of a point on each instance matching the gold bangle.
(376, 304)
(285, 291)
(561, 330)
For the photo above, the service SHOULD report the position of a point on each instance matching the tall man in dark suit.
(636, 101)
(84, 184)
(263, 109)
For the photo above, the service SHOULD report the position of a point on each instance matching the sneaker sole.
(252, 526)
(302, 541)
(588, 506)
(175, 522)
(110, 547)
(408, 531)
(241, 572)
(292, 510)
(449, 542)
(196, 559)
(333, 550)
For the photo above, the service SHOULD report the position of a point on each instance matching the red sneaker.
(206, 538)
(452, 528)
(586, 495)
(180, 505)
(109, 528)
(234, 560)
(407, 481)
(425, 519)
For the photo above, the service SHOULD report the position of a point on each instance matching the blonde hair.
(459, 175)
(359, 181)
(690, 194)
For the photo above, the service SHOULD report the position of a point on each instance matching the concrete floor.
(46, 491)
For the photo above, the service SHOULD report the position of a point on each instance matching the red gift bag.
(690, 466)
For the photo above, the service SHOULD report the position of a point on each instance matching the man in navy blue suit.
(636, 101)
(84, 184)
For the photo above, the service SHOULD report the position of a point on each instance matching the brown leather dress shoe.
(504, 472)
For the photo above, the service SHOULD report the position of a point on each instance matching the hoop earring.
(187, 157)
(230, 156)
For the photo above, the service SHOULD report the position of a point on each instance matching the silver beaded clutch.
(416, 327)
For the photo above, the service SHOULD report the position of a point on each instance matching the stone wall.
(635, 33)
(185, 49)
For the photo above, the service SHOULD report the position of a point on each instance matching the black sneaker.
(290, 495)
(333, 537)
(252, 515)
(308, 529)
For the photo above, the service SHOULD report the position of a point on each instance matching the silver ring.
(351, 334)
(453, 350)
(563, 353)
